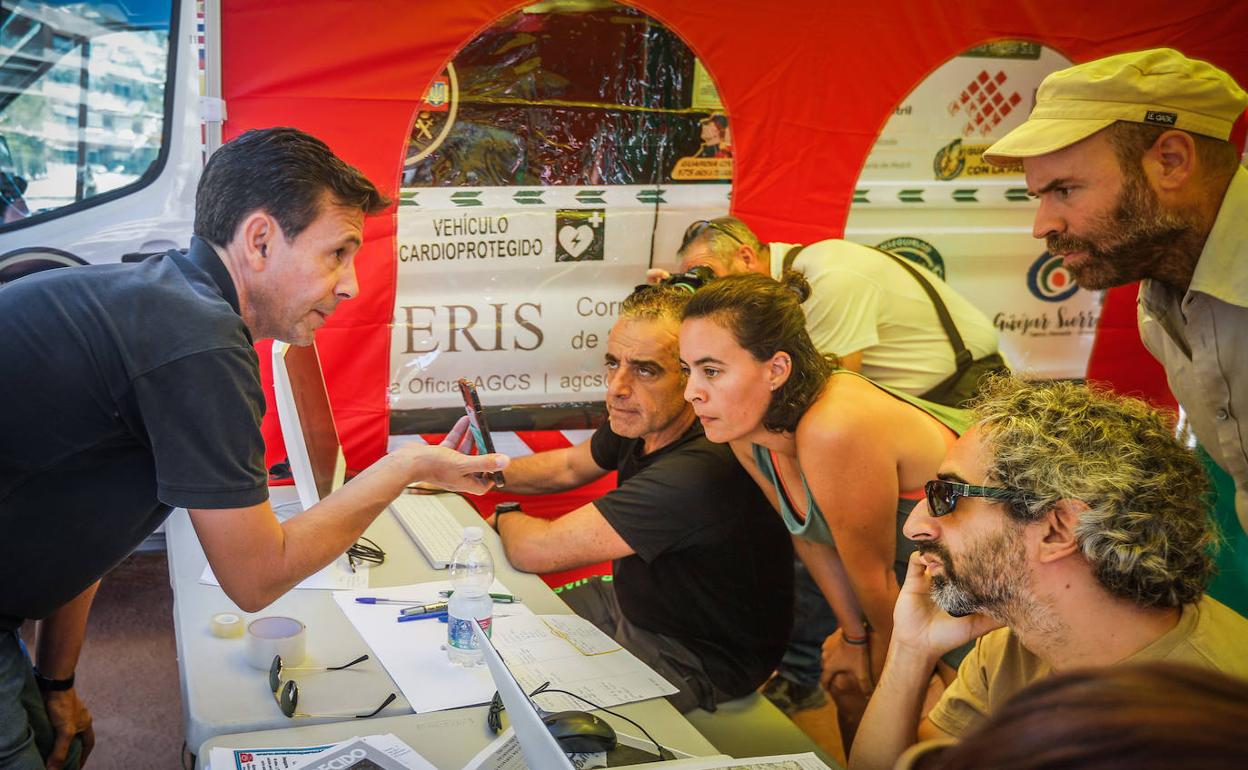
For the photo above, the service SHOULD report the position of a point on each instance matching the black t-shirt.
(128, 389)
(713, 566)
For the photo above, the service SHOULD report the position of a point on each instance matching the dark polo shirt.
(125, 390)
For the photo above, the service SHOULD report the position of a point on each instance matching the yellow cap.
(1160, 87)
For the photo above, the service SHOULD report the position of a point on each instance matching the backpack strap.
(961, 355)
(790, 256)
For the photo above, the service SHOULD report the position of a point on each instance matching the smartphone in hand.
(478, 426)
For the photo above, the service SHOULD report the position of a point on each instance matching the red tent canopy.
(808, 84)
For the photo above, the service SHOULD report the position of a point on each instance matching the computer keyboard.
(431, 525)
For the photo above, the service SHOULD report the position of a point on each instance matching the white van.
(100, 131)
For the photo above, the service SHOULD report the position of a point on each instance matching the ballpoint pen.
(440, 615)
(376, 600)
(498, 598)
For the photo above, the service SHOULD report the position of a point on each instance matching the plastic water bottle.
(472, 574)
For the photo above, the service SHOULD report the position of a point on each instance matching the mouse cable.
(663, 753)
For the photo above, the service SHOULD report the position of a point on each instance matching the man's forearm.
(542, 473)
(61, 635)
(891, 722)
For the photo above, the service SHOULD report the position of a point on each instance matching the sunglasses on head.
(287, 695)
(942, 495)
(701, 226)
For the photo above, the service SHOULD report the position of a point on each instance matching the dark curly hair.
(1147, 532)
(1146, 716)
(765, 317)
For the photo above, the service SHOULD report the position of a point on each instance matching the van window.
(82, 101)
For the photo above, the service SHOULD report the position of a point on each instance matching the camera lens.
(692, 280)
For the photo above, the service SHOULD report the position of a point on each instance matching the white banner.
(517, 287)
(926, 192)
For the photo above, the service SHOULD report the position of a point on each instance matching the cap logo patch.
(1163, 118)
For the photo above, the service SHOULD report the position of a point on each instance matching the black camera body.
(692, 280)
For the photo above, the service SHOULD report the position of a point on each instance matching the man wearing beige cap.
(1129, 158)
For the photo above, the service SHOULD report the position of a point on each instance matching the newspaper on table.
(503, 753)
(385, 752)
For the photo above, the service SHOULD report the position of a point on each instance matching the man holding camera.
(702, 581)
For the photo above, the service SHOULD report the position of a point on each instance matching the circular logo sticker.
(918, 251)
(949, 161)
(1049, 279)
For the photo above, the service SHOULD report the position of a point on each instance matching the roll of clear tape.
(276, 635)
(227, 625)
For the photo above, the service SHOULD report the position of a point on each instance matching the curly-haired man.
(1069, 528)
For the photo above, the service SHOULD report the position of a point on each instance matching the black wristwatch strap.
(502, 508)
(54, 685)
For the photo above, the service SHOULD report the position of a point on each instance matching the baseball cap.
(1159, 87)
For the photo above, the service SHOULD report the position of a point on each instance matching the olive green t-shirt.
(1208, 634)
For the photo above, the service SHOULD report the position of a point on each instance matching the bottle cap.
(472, 533)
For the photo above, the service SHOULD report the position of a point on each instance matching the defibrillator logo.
(1049, 280)
(580, 235)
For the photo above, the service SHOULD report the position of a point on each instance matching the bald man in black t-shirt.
(702, 589)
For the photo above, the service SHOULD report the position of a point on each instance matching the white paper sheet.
(336, 576)
(587, 638)
(414, 655)
(536, 655)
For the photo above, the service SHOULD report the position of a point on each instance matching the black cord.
(366, 551)
(663, 753)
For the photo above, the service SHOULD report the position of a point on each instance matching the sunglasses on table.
(701, 226)
(942, 495)
(287, 695)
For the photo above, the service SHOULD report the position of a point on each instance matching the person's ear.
(779, 368)
(257, 231)
(1171, 161)
(749, 257)
(1059, 538)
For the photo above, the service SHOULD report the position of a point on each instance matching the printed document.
(575, 656)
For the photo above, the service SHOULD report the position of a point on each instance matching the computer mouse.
(579, 732)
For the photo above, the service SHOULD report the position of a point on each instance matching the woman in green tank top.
(835, 452)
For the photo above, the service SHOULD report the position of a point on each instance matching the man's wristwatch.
(53, 685)
(502, 508)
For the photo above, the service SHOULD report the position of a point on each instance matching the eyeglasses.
(701, 226)
(288, 697)
(942, 496)
(365, 551)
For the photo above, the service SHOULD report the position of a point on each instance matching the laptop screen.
(539, 747)
(316, 459)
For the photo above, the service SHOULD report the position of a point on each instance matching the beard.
(991, 580)
(1130, 242)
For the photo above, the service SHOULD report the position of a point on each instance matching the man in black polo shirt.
(702, 589)
(131, 389)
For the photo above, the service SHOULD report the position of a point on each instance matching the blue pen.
(424, 616)
(375, 600)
